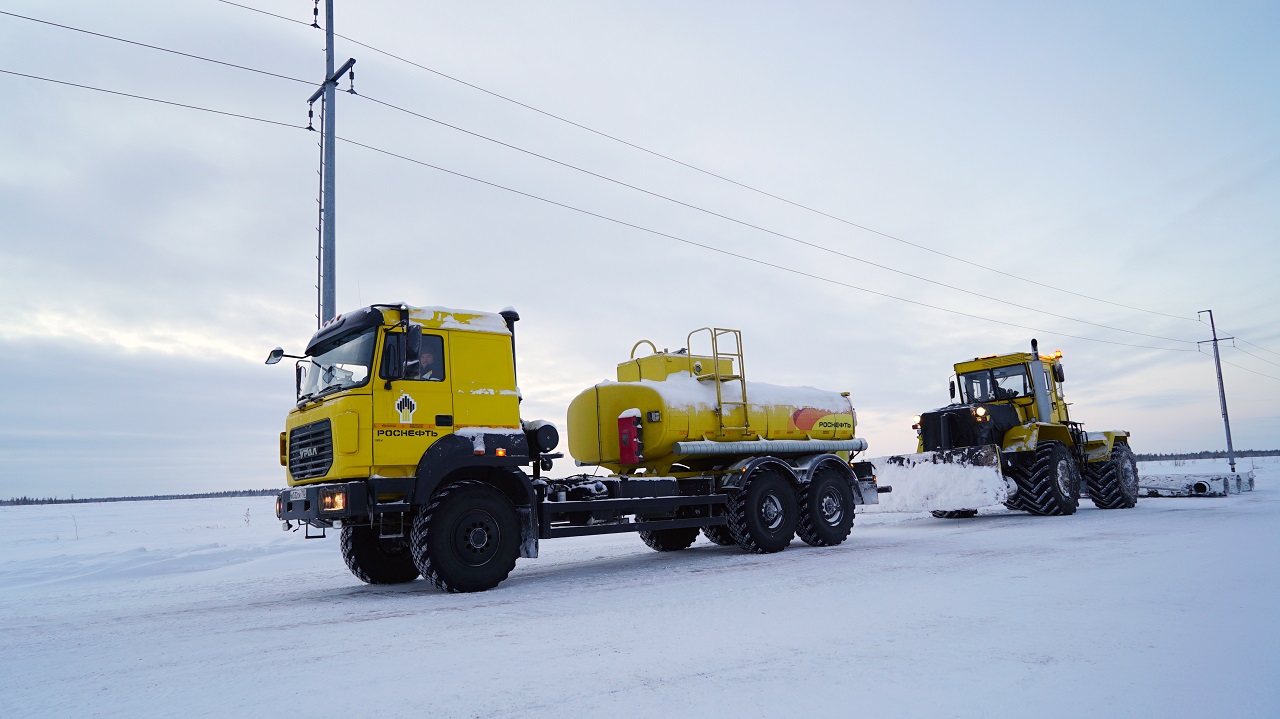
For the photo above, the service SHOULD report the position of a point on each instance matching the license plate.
(297, 493)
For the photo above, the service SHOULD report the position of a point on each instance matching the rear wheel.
(762, 515)
(1049, 485)
(954, 513)
(377, 560)
(467, 538)
(669, 540)
(720, 535)
(1113, 484)
(826, 509)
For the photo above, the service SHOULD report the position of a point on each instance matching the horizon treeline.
(15, 501)
(1207, 454)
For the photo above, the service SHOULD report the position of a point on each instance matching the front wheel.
(1050, 484)
(467, 538)
(377, 560)
(762, 514)
(826, 509)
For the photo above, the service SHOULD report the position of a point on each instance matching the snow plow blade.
(945, 480)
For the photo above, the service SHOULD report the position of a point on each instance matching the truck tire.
(720, 535)
(377, 560)
(763, 513)
(669, 540)
(826, 509)
(1113, 484)
(1050, 484)
(954, 513)
(467, 537)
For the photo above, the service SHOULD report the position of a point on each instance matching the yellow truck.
(407, 436)
(1011, 430)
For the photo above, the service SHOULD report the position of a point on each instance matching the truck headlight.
(333, 499)
(279, 507)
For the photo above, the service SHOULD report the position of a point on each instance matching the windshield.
(342, 366)
(990, 385)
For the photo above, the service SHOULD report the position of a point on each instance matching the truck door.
(416, 411)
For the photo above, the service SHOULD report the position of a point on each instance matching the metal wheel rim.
(475, 538)
(831, 506)
(1064, 477)
(1129, 478)
(771, 514)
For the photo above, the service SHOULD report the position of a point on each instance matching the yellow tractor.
(1010, 434)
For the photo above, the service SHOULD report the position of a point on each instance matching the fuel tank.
(667, 398)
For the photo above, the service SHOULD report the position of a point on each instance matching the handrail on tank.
(637, 346)
(688, 341)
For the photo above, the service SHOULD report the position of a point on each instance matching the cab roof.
(430, 317)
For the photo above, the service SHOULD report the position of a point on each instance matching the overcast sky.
(151, 255)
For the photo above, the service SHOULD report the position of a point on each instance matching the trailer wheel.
(467, 537)
(1049, 484)
(826, 509)
(1113, 484)
(669, 540)
(762, 514)
(720, 535)
(954, 513)
(377, 560)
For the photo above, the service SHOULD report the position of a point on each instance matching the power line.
(264, 12)
(155, 47)
(603, 217)
(153, 99)
(1264, 349)
(766, 230)
(741, 256)
(1246, 369)
(737, 183)
(606, 178)
(1260, 359)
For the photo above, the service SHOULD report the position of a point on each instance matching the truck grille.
(311, 450)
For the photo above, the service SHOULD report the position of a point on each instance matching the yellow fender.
(1098, 445)
(1024, 438)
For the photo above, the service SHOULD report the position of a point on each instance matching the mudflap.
(950, 479)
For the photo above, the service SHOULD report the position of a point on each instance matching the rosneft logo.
(806, 418)
(406, 407)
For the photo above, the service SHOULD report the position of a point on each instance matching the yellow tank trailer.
(407, 436)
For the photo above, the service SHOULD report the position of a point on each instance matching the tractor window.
(995, 384)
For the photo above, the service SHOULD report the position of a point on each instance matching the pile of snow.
(682, 389)
(927, 486)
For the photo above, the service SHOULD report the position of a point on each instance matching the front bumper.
(319, 504)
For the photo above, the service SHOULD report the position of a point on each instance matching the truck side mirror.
(275, 355)
(1058, 373)
(412, 351)
(953, 389)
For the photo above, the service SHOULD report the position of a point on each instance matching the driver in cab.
(429, 367)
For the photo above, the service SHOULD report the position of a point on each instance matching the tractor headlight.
(981, 412)
(915, 422)
(333, 499)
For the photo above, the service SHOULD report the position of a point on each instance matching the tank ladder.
(726, 408)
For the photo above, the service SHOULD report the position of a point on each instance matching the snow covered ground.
(205, 608)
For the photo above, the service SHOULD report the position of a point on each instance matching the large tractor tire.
(467, 538)
(1113, 484)
(763, 513)
(377, 560)
(826, 509)
(1050, 484)
(669, 540)
(954, 513)
(720, 535)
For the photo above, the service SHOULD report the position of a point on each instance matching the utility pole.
(1222, 393)
(326, 258)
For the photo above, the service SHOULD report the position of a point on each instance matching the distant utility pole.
(1222, 393)
(325, 257)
